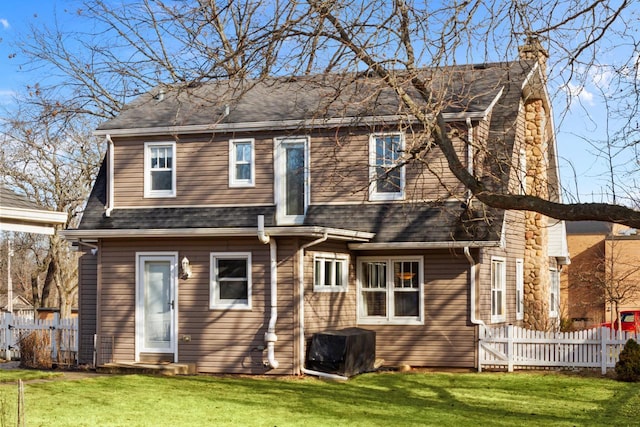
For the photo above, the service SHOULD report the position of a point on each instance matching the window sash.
(498, 290)
(390, 291)
(160, 173)
(241, 163)
(230, 280)
(330, 273)
(554, 293)
(386, 178)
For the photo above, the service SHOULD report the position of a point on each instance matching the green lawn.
(384, 399)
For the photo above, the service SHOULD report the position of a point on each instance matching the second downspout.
(110, 156)
(472, 294)
(301, 311)
(270, 336)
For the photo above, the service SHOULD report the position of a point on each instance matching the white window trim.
(519, 289)
(213, 283)
(337, 257)
(147, 170)
(389, 320)
(554, 288)
(498, 318)
(373, 194)
(279, 181)
(233, 181)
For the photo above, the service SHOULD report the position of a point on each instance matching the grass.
(384, 399)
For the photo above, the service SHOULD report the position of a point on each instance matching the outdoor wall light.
(186, 268)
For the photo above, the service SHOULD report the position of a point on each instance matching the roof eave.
(288, 124)
(300, 231)
(424, 245)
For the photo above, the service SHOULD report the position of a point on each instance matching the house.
(20, 306)
(231, 221)
(605, 267)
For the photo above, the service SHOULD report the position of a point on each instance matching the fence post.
(510, 348)
(604, 358)
(53, 329)
(8, 335)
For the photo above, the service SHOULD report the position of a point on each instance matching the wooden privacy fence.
(512, 347)
(62, 334)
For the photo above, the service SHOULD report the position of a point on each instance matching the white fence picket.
(14, 327)
(514, 347)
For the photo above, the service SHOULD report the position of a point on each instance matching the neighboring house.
(225, 230)
(19, 214)
(20, 306)
(605, 265)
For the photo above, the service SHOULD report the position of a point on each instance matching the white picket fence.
(63, 336)
(517, 348)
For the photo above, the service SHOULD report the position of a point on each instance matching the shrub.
(35, 351)
(628, 365)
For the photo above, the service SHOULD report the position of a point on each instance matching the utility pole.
(9, 282)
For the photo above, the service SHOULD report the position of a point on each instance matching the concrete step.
(166, 369)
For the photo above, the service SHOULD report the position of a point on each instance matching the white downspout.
(472, 293)
(110, 156)
(270, 336)
(94, 248)
(301, 311)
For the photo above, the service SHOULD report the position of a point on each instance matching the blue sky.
(576, 155)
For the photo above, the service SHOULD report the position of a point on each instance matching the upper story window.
(330, 272)
(498, 289)
(230, 280)
(390, 291)
(241, 163)
(522, 172)
(159, 169)
(291, 181)
(386, 178)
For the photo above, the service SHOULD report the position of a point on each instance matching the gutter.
(472, 294)
(291, 123)
(270, 336)
(301, 313)
(110, 156)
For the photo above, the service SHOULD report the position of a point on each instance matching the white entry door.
(156, 305)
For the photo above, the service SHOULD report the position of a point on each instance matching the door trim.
(141, 257)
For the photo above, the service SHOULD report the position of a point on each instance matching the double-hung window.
(241, 163)
(390, 290)
(386, 176)
(159, 169)
(330, 272)
(554, 293)
(230, 280)
(498, 289)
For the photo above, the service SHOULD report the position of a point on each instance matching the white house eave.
(423, 245)
(288, 124)
(311, 231)
(32, 215)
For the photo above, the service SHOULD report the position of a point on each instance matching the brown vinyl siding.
(202, 173)
(325, 311)
(447, 337)
(87, 294)
(222, 341)
(338, 164)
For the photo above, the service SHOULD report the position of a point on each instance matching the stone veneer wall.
(537, 280)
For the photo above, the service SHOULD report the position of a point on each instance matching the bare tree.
(135, 45)
(52, 160)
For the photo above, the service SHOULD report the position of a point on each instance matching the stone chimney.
(533, 50)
